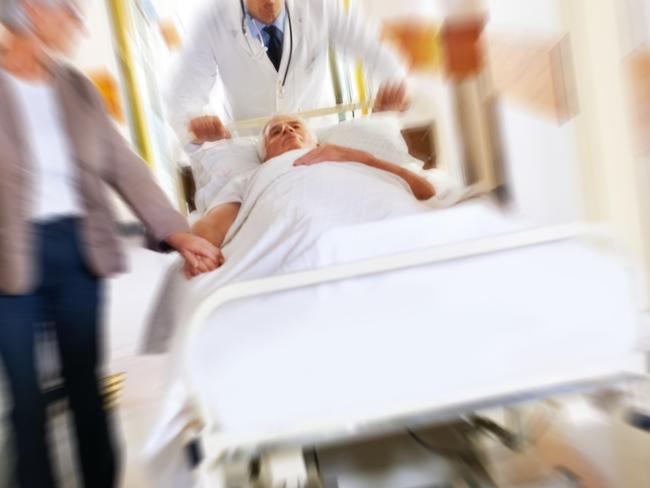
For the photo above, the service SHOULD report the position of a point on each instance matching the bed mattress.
(385, 344)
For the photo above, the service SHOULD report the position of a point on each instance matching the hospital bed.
(419, 136)
(401, 341)
(365, 348)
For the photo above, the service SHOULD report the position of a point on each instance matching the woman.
(58, 149)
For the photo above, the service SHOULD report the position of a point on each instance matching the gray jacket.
(100, 156)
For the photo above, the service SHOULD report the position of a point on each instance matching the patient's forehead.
(280, 119)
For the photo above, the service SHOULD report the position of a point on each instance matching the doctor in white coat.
(272, 57)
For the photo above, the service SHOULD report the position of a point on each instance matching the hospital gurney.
(381, 345)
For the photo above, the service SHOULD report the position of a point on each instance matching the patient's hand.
(330, 152)
(421, 187)
(190, 271)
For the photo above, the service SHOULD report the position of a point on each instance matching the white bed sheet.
(382, 345)
(309, 217)
(337, 357)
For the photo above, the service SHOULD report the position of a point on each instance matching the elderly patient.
(288, 133)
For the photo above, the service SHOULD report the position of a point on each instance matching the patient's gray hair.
(261, 146)
(261, 140)
(13, 15)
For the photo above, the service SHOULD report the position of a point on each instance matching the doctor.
(271, 56)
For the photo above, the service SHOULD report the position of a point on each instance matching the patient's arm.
(420, 186)
(214, 225)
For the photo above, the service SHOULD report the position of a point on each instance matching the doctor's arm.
(189, 91)
(354, 37)
(420, 186)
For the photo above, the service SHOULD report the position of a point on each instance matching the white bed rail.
(258, 122)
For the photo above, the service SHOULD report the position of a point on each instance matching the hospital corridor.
(324, 243)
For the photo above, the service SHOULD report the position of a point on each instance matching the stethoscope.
(251, 51)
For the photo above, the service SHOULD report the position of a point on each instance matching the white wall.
(435, 9)
(541, 156)
(96, 48)
(634, 24)
(530, 17)
(542, 167)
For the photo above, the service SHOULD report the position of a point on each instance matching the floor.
(579, 441)
(575, 439)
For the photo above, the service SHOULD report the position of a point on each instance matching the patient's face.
(285, 133)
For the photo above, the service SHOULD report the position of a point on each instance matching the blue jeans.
(68, 297)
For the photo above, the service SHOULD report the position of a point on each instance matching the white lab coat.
(251, 85)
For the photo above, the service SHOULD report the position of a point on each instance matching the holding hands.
(200, 256)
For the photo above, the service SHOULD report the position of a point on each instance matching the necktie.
(274, 46)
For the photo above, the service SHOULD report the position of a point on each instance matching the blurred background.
(545, 102)
(545, 99)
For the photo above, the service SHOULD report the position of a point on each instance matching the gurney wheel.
(269, 471)
(282, 468)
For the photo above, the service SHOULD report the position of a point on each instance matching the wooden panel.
(638, 70)
(535, 74)
(418, 42)
(170, 34)
(420, 141)
(462, 54)
(428, 46)
(108, 88)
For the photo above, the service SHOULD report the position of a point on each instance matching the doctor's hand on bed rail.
(208, 128)
(421, 187)
(200, 255)
(391, 97)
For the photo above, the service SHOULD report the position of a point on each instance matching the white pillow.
(379, 135)
(216, 164)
